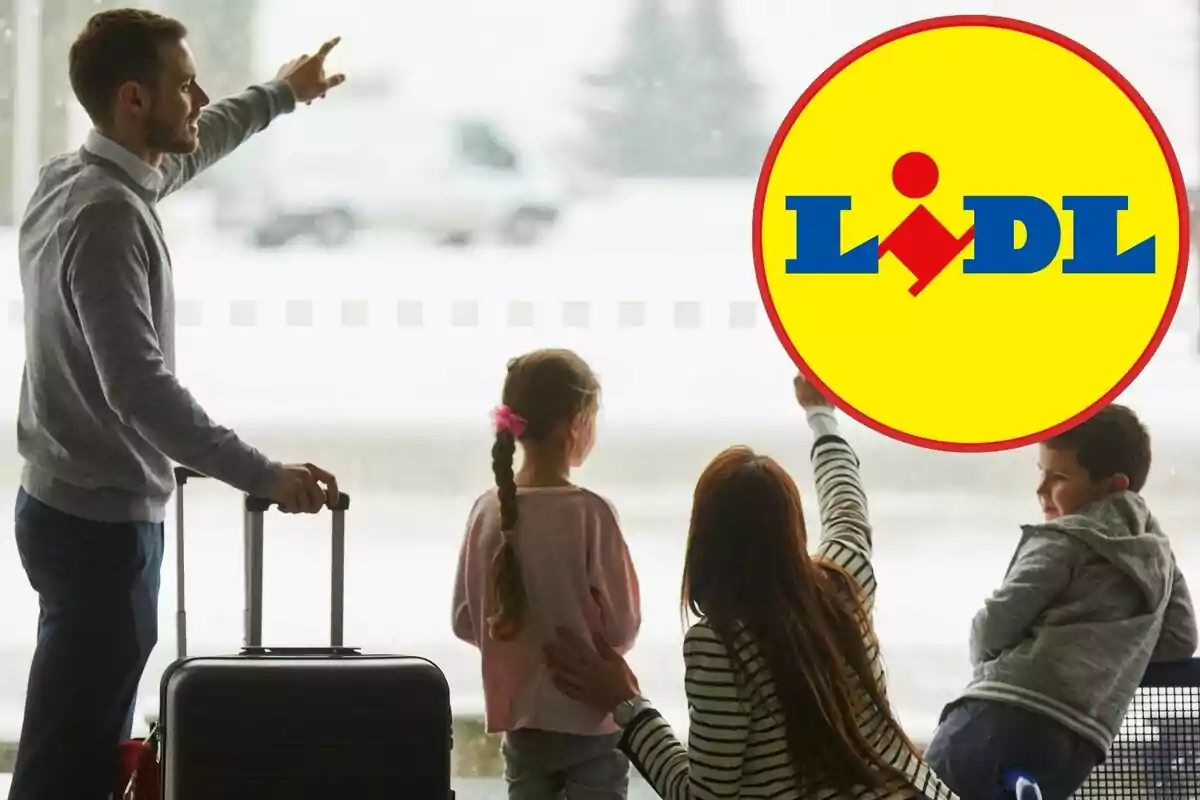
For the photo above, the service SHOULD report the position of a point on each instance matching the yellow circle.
(974, 361)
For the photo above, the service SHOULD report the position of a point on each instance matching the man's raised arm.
(229, 122)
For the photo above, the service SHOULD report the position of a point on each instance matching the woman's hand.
(599, 678)
(807, 395)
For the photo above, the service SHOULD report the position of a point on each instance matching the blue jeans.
(97, 586)
(547, 765)
(979, 740)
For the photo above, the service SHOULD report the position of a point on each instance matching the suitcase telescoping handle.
(255, 508)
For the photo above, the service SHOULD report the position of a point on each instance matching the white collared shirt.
(146, 176)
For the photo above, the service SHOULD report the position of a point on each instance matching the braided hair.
(542, 390)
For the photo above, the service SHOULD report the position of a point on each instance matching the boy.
(1091, 597)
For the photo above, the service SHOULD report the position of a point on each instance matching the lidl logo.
(971, 232)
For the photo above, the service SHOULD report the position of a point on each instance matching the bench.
(1157, 752)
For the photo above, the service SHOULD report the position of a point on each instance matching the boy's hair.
(545, 388)
(1112, 441)
(115, 47)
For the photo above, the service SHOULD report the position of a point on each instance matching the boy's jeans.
(979, 740)
(546, 765)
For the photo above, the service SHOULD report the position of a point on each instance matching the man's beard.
(162, 137)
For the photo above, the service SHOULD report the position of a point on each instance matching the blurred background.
(495, 177)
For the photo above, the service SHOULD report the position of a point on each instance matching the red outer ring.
(988, 21)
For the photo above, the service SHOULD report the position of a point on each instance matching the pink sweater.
(577, 574)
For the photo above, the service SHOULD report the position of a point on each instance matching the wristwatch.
(627, 710)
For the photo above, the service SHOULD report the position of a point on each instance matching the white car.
(367, 162)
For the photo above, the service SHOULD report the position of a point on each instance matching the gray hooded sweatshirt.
(1089, 600)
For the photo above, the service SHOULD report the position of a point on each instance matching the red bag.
(138, 778)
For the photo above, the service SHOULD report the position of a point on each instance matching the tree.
(632, 130)
(722, 137)
(679, 100)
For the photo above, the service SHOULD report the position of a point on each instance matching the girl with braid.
(542, 553)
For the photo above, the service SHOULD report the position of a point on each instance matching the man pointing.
(102, 415)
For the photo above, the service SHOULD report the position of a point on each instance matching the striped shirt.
(737, 746)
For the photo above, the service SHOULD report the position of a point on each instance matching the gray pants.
(547, 765)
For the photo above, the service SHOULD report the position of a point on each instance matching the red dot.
(915, 175)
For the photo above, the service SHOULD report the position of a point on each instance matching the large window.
(349, 290)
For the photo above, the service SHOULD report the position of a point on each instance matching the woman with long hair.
(783, 671)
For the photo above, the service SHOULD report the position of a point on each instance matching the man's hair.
(1112, 441)
(115, 47)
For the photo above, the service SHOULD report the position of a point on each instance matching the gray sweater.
(102, 415)
(1088, 602)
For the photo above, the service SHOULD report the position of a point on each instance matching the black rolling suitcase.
(299, 723)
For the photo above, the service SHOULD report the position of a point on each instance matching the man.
(102, 417)
(1092, 596)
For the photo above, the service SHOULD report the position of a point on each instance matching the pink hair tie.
(508, 420)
